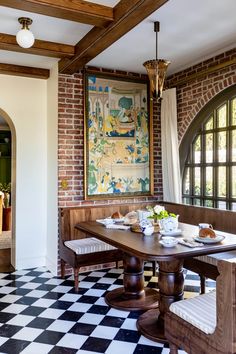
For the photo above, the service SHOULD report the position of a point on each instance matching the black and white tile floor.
(42, 314)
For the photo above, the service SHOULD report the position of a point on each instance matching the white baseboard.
(26, 263)
(51, 266)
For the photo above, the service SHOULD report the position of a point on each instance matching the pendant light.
(156, 70)
(25, 37)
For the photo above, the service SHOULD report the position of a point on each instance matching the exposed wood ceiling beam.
(18, 70)
(73, 10)
(44, 48)
(127, 14)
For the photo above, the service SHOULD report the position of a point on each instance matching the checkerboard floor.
(42, 314)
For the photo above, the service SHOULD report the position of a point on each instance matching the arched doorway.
(9, 137)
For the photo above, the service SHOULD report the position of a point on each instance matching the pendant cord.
(156, 44)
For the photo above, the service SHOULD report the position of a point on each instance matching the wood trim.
(26, 71)
(127, 14)
(201, 74)
(76, 10)
(113, 74)
(44, 48)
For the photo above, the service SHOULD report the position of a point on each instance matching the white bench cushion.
(200, 311)
(214, 258)
(88, 245)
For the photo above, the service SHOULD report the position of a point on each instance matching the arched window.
(208, 155)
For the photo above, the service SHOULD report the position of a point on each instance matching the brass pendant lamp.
(156, 70)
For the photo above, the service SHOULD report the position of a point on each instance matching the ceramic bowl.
(167, 240)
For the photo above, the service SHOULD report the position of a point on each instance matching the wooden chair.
(206, 324)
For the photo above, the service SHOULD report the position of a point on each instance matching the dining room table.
(138, 248)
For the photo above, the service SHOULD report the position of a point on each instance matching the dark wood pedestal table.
(137, 248)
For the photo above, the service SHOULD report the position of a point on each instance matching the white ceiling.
(191, 31)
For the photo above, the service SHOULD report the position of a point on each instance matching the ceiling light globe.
(25, 38)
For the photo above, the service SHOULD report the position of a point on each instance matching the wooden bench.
(222, 220)
(206, 324)
(69, 217)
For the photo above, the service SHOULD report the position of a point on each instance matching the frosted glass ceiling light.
(156, 70)
(25, 37)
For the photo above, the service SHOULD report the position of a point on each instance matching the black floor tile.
(14, 346)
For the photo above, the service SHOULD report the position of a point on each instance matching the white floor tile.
(62, 289)
(15, 308)
(91, 318)
(118, 347)
(7, 289)
(106, 280)
(10, 298)
(37, 293)
(30, 285)
(70, 297)
(129, 323)
(26, 278)
(21, 320)
(118, 313)
(61, 326)
(105, 332)
(95, 292)
(71, 340)
(37, 348)
(80, 307)
(28, 333)
(51, 313)
(44, 303)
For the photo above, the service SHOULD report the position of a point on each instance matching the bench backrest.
(69, 217)
(223, 220)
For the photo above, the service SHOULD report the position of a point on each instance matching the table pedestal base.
(118, 299)
(133, 296)
(171, 285)
(152, 326)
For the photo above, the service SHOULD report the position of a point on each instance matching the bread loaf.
(207, 232)
(117, 215)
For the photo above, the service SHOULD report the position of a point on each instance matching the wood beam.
(44, 48)
(200, 74)
(18, 70)
(127, 14)
(76, 10)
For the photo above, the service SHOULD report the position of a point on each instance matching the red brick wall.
(194, 95)
(71, 144)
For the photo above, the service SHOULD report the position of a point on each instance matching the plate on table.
(209, 240)
(177, 232)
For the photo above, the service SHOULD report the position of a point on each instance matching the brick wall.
(191, 98)
(194, 95)
(71, 145)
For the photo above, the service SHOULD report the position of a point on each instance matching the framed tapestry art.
(118, 130)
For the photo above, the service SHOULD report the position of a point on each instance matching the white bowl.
(168, 241)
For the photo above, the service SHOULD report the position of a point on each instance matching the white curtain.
(170, 148)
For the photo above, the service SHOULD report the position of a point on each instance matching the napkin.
(190, 242)
(117, 227)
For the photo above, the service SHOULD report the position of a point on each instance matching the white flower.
(158, 208)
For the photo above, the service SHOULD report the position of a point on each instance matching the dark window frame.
(195, 130)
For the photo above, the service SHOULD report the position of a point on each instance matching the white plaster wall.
(52, 210)
(25, 102)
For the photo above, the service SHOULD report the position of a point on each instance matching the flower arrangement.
(158, 212)
(5, 188)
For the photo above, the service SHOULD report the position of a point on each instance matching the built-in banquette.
(220, 219)
(85, 255)
(206, 324)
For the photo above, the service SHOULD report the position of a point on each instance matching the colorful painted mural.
(117, 137)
